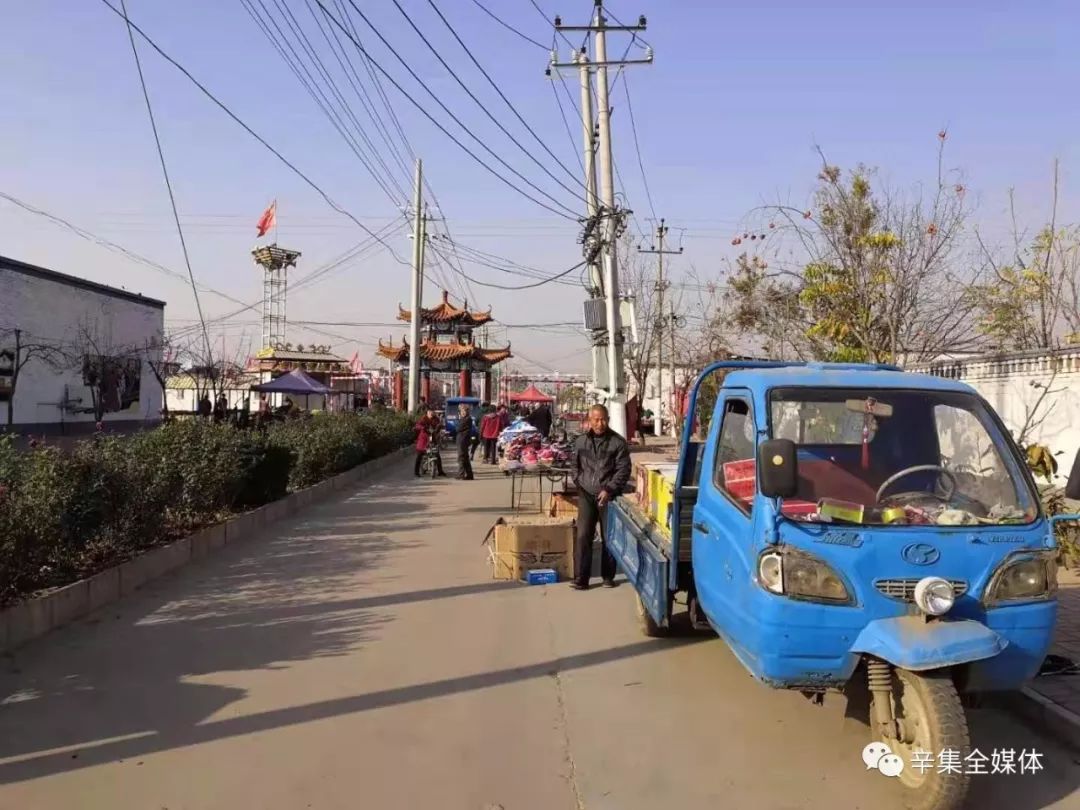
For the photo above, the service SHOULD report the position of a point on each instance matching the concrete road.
(360, 656)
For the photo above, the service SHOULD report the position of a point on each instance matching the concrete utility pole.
(609, 216)
(417, 291)
(675, 321)
(661, 286)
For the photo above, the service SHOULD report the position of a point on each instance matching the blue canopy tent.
(295, 382)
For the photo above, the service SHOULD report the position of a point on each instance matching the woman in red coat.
(490, 428)
(427, 431)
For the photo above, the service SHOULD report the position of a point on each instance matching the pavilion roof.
(446, 312)
(441, 352)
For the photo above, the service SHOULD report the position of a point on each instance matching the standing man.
(601, 471)
(464, 438)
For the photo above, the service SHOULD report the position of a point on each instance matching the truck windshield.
(885, 457)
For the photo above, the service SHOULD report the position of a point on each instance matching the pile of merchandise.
(523, 448)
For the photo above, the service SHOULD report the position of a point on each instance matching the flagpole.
(275, 221)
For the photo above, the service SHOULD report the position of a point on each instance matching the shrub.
(66, 515)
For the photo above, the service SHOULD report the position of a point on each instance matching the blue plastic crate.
(542, 576)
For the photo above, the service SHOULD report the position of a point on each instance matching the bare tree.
(111, 372)
(1032, 293)
(638, 278)
(16, 350)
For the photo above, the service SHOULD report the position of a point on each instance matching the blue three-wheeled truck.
(835, 522)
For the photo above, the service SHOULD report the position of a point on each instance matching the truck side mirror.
(1072, 487)
(778, 468)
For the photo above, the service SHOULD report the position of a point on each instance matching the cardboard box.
(665, 502)
(520, 544)
(563, 505)
(542, 576)
(661, 491)
(643, 484)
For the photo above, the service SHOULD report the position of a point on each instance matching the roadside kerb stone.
(27, 620)
(240, 527)
(208, 540)
(1043, 714)
(68, 603)
(103, 588)
(151, 565)
(37, 616)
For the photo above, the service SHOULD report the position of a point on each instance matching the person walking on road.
(601, 472)
(464, 442)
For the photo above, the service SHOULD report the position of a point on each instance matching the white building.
(1036, 393)
(73, 351)
(650, 396)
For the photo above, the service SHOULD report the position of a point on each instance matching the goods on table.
(525, 446)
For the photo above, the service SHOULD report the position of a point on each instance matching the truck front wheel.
(648, 625)
(930, 719)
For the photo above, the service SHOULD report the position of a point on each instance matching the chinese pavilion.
(447, 345)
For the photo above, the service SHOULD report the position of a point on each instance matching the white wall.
(1014, 384)
(49, 311)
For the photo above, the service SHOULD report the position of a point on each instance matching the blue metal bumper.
(912, 642)
(790, 644)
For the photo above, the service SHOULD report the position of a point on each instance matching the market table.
(553, 475)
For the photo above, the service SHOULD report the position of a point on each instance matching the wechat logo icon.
(878, 756)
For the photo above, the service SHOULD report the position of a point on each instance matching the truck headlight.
(801, 576)
(1024, 575)
(934, 596)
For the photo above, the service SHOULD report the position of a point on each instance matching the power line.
(502, 95)
(509, 27)
(566, 124)
(368, 103)
(567, 212)
(168, 183)
(224, 108)
(540, 283)
(637, 147)
(315, 90)
(547, 19)
(348, 78)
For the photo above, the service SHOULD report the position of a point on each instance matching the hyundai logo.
(920, 554)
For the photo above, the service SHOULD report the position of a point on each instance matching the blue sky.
(727, 118)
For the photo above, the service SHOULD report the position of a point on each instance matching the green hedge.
(65, 515)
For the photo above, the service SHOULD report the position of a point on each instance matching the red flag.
(268, 220)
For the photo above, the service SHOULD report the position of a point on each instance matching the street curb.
(39, 615)
(1045, 715)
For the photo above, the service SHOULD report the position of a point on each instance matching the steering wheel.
(921, 468)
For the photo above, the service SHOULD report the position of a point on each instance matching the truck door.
(723, 513)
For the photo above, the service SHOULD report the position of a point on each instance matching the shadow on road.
(178, 735)
(139, 669)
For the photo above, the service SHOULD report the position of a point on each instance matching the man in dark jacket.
(541, 419)
(601, 471)
(464, 443)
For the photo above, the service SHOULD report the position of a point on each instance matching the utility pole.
(661, 286)
(610, 218)
(675, 321)
(417, 291)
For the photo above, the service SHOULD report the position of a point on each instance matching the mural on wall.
(7, 373)
(114, 381)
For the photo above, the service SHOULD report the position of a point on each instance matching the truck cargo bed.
(661, 538)
(642, 553)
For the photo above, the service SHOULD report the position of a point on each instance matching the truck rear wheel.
(648, 625)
